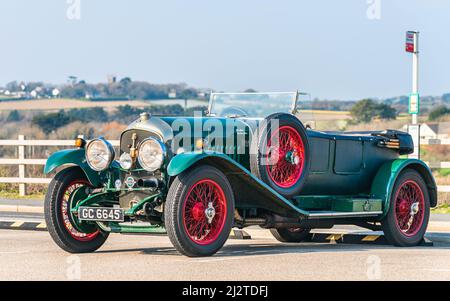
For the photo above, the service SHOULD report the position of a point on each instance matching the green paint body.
(384, 181)
(70, 157)
(182, 162)
(330, 186)
(377, 199)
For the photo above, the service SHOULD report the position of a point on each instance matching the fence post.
(22, 187)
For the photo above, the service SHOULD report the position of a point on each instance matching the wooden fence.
(22, 161)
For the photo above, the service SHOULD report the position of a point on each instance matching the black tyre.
(290, 234)
(280, 155)
(71, 237)
(409, 210)
(198, 211)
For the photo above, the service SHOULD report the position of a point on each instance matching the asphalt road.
(31, 255)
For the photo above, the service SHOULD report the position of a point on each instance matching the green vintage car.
(250, 160)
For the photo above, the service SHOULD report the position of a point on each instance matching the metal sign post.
(414, 131)
(412, 46)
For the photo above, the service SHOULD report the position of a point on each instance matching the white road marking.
(17, 224)
(41, 226)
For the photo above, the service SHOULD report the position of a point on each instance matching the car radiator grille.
(126, 139)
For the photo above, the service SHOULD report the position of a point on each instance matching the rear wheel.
(280, 155)
(290, 234)
(199, 211)
(69, 235)
(409, 211)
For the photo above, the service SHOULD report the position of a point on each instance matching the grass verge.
(15, 195)
(445, 208)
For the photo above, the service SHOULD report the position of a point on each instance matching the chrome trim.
(154, 125)
(314, 215)
(294, 106)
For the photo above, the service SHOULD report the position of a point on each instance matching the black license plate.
(101, 214)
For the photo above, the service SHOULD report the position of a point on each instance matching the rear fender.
(73, 157)
(383, 184)
(248, 190)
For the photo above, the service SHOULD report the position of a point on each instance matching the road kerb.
(21, 209)
(22, 225)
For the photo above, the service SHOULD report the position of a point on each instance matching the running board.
(335, 214)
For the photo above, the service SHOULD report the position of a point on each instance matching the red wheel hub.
(403, 207)
(286, 157)
(198, 211)
(409, 208)
(65, 213)
(204, 212)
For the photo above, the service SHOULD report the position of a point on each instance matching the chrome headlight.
(151, 154)
(99, 154)
(126, 161)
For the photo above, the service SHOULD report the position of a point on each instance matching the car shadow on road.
(263, 249)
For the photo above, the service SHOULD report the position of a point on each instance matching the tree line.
(366, 110)
(125, 88)
(124, 114)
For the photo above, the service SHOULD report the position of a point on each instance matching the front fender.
(183, 161)
(383, 184)
(72, 157)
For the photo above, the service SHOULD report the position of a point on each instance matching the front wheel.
(69, 235)
(199, 211)
(409, 211)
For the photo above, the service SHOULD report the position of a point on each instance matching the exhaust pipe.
(268, 221)
(252, 221)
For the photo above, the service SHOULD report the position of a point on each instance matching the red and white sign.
(410, 41)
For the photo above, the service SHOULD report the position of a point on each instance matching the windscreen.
(251, 104)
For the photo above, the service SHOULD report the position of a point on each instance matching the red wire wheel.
(64, 190)
(406, 219)
(409, 208)
(198, 212)
(204, 212)
(65, 211)
(280, 154)
(286, 156)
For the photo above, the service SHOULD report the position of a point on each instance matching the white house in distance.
(172, 94)
(439, 130)
(55, 92)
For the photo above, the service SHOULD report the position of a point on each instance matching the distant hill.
(127, 89)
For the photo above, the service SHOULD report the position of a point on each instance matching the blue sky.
(328, 48)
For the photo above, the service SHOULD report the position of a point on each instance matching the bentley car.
(248, 161)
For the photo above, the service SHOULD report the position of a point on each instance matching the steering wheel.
(233, 111)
